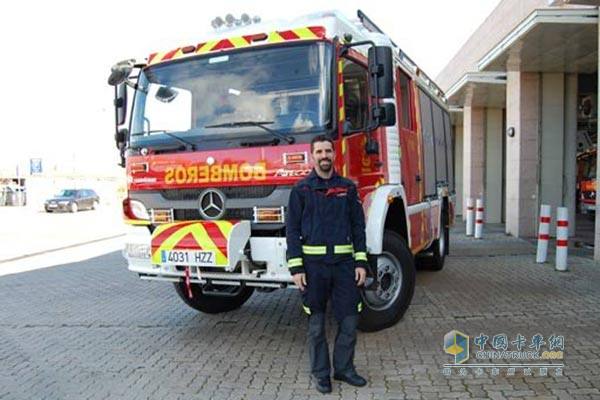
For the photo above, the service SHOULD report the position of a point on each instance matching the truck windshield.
(285, 86)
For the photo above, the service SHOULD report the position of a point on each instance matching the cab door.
(410, 120)
(354, 97)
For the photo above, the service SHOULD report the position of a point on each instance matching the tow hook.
(188, 285)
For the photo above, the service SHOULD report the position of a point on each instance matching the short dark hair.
(320, 138)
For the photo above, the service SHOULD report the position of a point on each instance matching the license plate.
(188, 257)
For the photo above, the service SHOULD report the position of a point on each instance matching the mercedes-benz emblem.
(212, 204)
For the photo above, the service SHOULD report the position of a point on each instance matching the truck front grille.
(248, 192)
(231, 213)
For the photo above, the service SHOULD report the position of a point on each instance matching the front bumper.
(258, 261)
(56, 207)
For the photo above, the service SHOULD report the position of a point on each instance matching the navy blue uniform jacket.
(325, 223)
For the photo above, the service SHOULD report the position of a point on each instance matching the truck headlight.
(269, 214)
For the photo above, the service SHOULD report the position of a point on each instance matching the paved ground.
(27, 230)
(92, 330)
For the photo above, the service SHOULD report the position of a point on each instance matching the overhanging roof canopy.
(479, 89)
(549, 40)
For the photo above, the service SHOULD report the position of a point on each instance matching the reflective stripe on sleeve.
(343, 249)
(360, 256)
(314, 250)
(360, 307)
(294, 262)
(306, 309)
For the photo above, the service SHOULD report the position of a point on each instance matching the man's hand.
(300, 280)
(360, 275)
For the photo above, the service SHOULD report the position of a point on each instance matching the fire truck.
(586, 181)
(219, 131)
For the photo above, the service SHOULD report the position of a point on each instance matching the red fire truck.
(219, 132)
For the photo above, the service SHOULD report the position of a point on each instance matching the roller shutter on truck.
(428, 144)
(449, 150)
(437, 145)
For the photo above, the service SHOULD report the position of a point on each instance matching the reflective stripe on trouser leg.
(318, 350)
(343, 349)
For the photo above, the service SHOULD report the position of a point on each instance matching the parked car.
(73, 200)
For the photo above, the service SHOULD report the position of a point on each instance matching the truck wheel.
(436, 253)
(396, 285)
(232, 297)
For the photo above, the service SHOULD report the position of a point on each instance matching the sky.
(56, 58)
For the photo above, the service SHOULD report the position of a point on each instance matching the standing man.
(327, 258)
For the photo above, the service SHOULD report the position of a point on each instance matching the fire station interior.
(587, 134)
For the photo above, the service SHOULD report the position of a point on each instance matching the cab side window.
(405, 102)
(356, 95)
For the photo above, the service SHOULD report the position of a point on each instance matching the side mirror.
(121, 137)
(120, 72)
(121, 103)
(121, 142)
(384, 114)
(382, 71)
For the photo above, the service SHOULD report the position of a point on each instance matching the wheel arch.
(386, 209)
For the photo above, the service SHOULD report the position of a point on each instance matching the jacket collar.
(313, 176)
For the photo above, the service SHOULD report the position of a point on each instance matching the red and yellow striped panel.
(193, 235)
(309, 32)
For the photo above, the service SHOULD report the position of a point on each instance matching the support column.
(570, 154)
(458, 168)
(552, 133)
(493, 165)
(473, 152)
(522, 153)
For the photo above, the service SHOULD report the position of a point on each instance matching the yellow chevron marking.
(239, 42)
(200, 235)
(225, 227)
(207, 47)
(304, 33)
(275, 37)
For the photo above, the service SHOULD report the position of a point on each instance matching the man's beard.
(325, 165)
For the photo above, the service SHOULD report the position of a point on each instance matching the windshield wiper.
(259, 124)
(188, 145)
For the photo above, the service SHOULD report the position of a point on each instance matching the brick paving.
(92, 330)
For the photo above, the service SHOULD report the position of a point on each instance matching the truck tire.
(233, 297)
(435, 255)
(387, 304)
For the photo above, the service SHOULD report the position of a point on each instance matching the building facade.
(524, 91)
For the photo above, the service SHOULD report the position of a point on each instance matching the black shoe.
(324, 384)
(351, 378)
